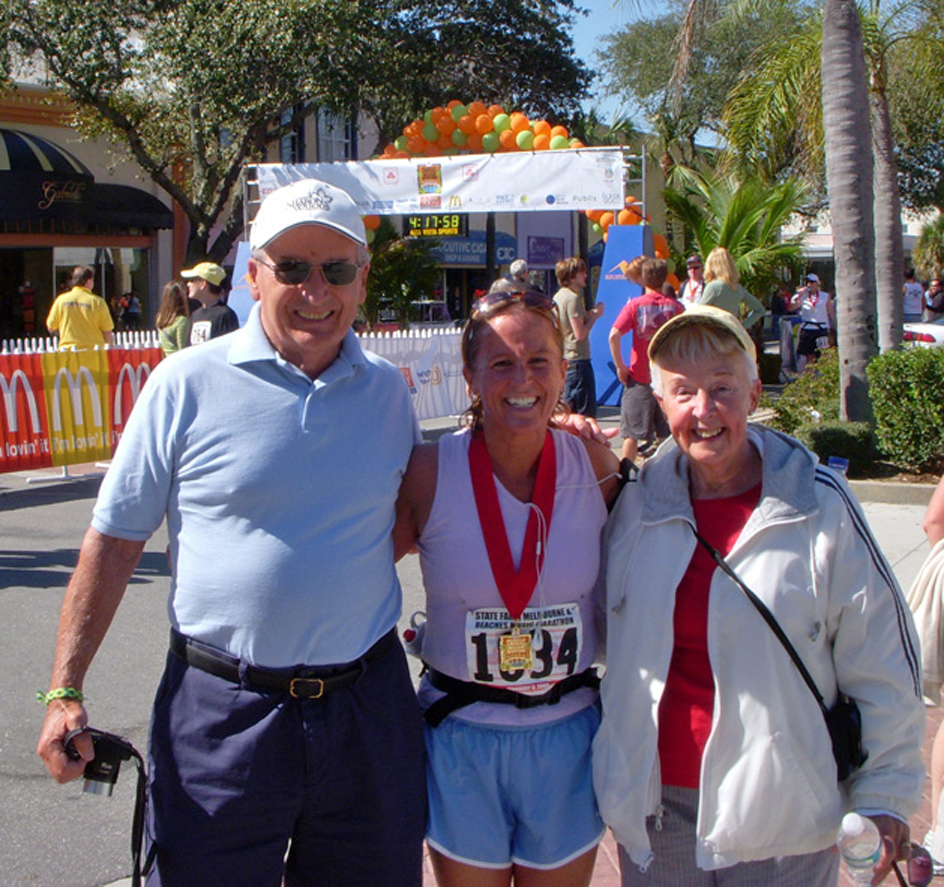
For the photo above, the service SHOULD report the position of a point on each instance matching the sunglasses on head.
(294, 273)
(530, 298)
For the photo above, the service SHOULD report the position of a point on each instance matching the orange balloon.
(594, 214)
(606, 220)
(432, 149)
(476, 108)
(446, 125)
(672, 279)
(402, 154)
(495, 110)
(445, 141)
(437, 112)
(372, 223)
(606, 236)
(519, 122)
(559, 131)
(507, 139)
(483, 124)
(542, 142)
(389, 150)
(415, 144)
(452, 103)
(661, 246)
(576, 143)
(467, 124)
(541, 128)
(475, 143)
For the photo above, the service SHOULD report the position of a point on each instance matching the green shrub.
(815, 390)
(850, 440)
(907, 392)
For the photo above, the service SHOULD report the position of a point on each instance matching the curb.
(892, 492)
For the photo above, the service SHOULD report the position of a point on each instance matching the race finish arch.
(564, 180)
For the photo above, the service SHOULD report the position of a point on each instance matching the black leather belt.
(301, 682)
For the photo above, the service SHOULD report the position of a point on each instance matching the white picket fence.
(428, 357)
(42, 345)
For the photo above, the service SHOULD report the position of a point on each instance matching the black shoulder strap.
(768, 618)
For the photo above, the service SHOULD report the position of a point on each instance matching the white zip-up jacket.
(768, 778)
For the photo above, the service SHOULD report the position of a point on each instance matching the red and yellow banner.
(67, 407)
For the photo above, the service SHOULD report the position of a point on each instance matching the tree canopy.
(195, 89)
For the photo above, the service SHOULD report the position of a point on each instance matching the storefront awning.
(41, 182)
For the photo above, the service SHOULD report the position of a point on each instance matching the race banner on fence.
(515, 182)
(67, 407)
(431, 366)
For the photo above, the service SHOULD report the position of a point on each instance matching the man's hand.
(62, 716)
(896, 844)
(623, 374)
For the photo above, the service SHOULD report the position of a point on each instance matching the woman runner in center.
(507, 516)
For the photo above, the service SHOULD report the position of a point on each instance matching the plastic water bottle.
(860, 845)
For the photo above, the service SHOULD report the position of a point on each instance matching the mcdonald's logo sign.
(17, 379)
(74, 385)
(136, 377)
(455, 201)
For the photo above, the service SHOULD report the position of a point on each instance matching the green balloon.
(559, 142)
(370, 236)
(430, 133)
(490, 142)
(525, 140)
(501, 122)
(459, 138)
(428, 116)
(596, 228)
(459, 111)
(400, 143)
(451, 151)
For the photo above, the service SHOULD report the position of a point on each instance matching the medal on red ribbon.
(515, 586)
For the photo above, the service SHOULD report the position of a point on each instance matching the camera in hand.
(101, 773)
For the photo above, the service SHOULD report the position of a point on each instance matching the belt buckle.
(293, 691)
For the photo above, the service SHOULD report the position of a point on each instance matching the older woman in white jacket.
(713, 765)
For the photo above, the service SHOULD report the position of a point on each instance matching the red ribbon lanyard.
(515, 588)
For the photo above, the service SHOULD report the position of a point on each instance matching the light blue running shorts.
(502, 795)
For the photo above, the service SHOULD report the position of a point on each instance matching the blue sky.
(607, 17)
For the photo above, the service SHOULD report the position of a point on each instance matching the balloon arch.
(477, 128)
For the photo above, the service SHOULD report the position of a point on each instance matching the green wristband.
(60, 693)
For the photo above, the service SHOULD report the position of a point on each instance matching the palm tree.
(772, 116)
(929, 250)
(845, 103)
(743, 215)
(849, 183)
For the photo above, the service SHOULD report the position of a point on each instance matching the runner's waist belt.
(300, 682)
(462, 693)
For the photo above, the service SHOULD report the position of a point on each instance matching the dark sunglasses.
(530, 298)
(294, 273)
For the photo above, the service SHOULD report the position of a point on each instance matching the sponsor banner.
(431, 366)
(67, 407)
(514, 182)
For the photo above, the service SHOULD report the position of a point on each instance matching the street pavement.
(56, 835)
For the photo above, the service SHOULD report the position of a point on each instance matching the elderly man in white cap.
(286, 743)
(214, 317)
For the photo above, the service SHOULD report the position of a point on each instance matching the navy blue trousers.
(249, 787)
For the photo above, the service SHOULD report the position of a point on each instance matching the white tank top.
(465, 612)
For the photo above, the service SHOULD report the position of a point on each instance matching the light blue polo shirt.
(279, 494)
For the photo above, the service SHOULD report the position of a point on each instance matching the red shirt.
(688, 699)
(642, 316)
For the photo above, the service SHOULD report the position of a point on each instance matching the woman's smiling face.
(707, 403)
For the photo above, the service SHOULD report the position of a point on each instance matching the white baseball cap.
(707, 315)
(306, 202)
(812, 278)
